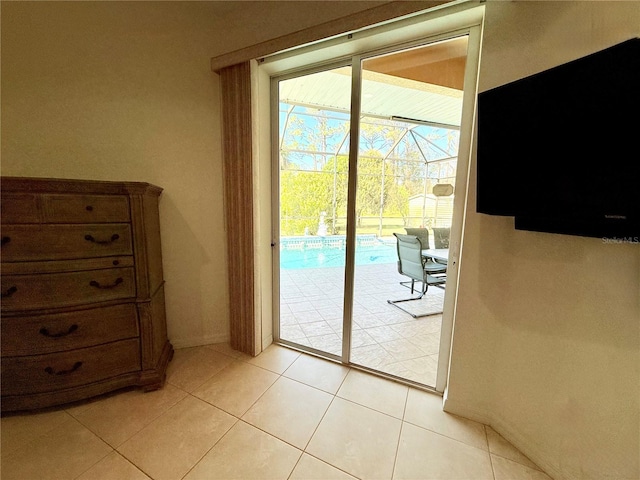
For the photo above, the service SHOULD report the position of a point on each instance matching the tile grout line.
(303, 450)
(334, 395)
(315, 430)
(237, 418)
(351, 474)
(100, 459)
(212, 446)
(486, 437)
(402, 423)
(134, 465)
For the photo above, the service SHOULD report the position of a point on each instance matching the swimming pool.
(323, 252)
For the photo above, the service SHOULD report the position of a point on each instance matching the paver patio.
(383, 338)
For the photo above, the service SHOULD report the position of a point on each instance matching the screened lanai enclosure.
(408, 130)
(400, 160)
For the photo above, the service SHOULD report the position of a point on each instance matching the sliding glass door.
(411, 102)
(314, 124)
(366, 151)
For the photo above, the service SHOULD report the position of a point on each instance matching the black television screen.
(560, 150)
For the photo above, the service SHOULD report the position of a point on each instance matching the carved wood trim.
(139, 248)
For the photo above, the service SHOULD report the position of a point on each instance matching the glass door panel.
(411, 103)
(313, 173)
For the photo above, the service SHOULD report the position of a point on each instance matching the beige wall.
(123, 91)
(547, 332)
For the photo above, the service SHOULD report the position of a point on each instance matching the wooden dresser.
(82, 290)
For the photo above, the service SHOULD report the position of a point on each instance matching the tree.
(398, 201)
(303, 197)
(392, 167)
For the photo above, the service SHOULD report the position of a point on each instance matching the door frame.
(467, 132)
(467, 21)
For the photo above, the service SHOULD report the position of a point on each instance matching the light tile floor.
(281, 415)
(383, 338)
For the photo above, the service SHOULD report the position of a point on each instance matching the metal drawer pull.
(5, 240)
(46, 333)
(89, 208)
(118, 281)
(9, 292)
(75, 367)
(113, 238)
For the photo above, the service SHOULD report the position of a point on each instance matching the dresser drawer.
(60, 242)
(58, 266)
(85, 208)
(57, 371)
(19, 208)
(33, 292)
(38, 334)
(82, 309)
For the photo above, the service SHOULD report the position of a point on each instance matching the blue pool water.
(321, 252)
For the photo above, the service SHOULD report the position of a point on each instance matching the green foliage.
(304, 195)
(391, 170)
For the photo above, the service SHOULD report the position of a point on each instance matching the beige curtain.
(235, 83)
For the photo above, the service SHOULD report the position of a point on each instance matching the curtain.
(235, 83)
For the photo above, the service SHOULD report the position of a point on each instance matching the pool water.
(377, 252)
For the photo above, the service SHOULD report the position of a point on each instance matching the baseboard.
(462, 410)
(510, 433)
(266, 341)
(528, 448)
(199, 341)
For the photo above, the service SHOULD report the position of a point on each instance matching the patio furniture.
(422, 234)
(441, 237)
(441, 240)
(414, 265)
(440, 255)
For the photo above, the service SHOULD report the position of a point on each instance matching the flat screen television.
(560, 150)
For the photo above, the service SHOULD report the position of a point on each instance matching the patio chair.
(441, 237)
(412, 264)
(423, 236)
(441, 240)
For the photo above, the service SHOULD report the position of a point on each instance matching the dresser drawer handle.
(113, 238)
(10, 291)
(75, 367)
(5, 240)
(118, 281)
(46, 333)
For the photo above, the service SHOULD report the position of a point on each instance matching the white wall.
(124, 91)
(547, 332)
